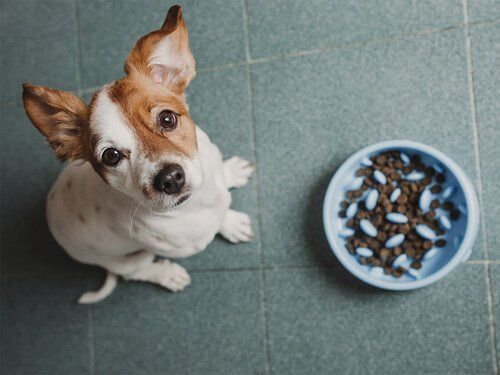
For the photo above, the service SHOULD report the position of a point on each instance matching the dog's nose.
(170, 179)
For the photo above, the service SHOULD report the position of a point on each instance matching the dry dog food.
(397, 212)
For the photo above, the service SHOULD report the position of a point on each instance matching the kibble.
(395, 240)
(366, 162)
(425, 200)
(397, 218)
(357, 183)
(371, 200)
(368, 228)
(364, 252)
(379, 177)
(396, 213)
(351, 210)
(415, 176)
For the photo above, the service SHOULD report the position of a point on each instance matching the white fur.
(109, 226)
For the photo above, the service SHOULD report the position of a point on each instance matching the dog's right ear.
(60, 116)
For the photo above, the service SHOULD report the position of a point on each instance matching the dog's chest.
(187, 235)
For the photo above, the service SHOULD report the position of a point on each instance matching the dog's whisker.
(132, 217)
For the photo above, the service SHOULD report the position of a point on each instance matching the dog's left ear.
(164, 55)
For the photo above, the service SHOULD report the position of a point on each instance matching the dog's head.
(136, 132)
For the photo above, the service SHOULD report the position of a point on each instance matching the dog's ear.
(164, 55)
(60, 116)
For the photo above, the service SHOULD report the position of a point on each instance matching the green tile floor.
(295, 86)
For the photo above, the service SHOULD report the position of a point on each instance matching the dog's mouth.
(182, 199)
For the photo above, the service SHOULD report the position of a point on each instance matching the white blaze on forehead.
(109, 125)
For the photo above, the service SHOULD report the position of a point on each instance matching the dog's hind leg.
(165, 273)
(237, 171)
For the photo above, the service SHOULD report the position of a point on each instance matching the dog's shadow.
(317, 244)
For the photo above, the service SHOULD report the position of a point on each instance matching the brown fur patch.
(60, 116)
(81, 218)
(174, 28)
(63, 119)
(140, 100)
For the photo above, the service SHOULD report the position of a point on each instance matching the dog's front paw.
(174, 277)
(237, 171)
(236, 227)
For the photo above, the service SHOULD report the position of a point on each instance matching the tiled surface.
(214, 327)
(44, 331)
(486, 62)
(280, 304)
(282, 26)
(311, 112)
(28, 170)
(28, 25)
(320, 320)
(109, 29)
(483, 10)
(495, 284)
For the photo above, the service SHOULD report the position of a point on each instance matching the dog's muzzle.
(170, 180)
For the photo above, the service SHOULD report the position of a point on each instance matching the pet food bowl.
(460, 238)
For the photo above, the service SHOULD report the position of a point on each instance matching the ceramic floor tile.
(290, 25)
(483, 10)
(495, 286)
(44, 330)
(29, 168)
(38, 45)
(312, 112)
(109, 29)
(323, 322)
(486, 63)
(212, 327)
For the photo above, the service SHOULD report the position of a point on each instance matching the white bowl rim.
(472, 226)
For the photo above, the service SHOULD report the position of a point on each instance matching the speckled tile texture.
(495, 285)
(322, 320)
(295, 87)
(486, 62)
(483, 10)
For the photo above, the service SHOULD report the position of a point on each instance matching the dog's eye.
(111, 157)
(167, 120)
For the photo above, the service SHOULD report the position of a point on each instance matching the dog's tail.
(106, 289)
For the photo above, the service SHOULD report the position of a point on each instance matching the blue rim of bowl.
(471, 231)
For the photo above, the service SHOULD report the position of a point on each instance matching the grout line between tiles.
(475, 132)
(241, 269)
(283, 56)
(91, 333)
(263, 294)
(475, 135)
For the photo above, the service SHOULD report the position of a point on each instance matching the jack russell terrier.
(142, 180)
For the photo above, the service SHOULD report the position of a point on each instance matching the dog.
(143, 183)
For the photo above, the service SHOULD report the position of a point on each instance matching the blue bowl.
(460, 239)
